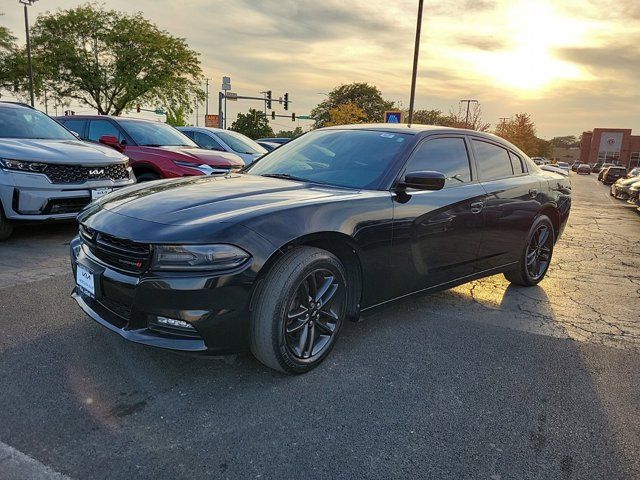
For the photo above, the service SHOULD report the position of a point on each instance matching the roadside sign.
(232, 96)
(226, 83)
(211, 121)
(393, 116)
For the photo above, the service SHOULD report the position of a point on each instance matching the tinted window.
(188, 133)
(74, 125)
(23, 122)
(239, 143)
(444, 155)
(349, 158)
(205, 141)
(493, 161)
(98, 128)
(517, 164)
(154, 134)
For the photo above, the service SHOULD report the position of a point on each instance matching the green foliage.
(521, 131)
(253, 124)
(12, 67)
(296, 132)
(346, 114)
(366, 97)
(429, 117)
(177, 116)
(111, 60)
(567, 141)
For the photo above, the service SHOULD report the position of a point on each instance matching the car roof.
(202, 129)
(113, 117)
(9, 104)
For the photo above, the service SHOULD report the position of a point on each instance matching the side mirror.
(424, 180)
(75, 134)
(111, 141)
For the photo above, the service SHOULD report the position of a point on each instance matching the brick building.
(610, 145)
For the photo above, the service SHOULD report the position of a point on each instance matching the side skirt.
(446, 285)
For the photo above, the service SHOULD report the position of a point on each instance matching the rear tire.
(536, 254)
(300, 307)
(6, 229)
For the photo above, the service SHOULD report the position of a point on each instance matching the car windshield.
(346, 158)
(19, 122)
(239, 143)
(152, 134)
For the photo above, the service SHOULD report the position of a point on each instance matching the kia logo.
(96, 171)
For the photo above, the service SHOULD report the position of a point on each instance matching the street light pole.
(27, 3)
(416, 50)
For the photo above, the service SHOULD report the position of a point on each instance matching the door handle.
(533, 193)
(476, 207)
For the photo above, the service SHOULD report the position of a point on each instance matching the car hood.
(231, 198)
(58, 151)
(196, 155)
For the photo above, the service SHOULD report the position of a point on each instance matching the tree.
(8, 60)
(176, 116)
(474, 122)
(111, 60)
(366, 97)
(567, 141)
(429, 117)
(521, 131)
(253, 124)
(346, 114)
(296, 132)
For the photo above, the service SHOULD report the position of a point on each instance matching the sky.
(573, 65)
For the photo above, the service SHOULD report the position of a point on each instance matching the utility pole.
(468, 102)
(206, 98)
(416, 51)
(28, 3)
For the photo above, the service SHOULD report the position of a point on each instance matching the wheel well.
(554, 216)
(342, 247)
(140, 169)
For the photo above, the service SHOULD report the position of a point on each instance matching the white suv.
(46, 173)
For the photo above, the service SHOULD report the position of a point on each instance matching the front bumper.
(33, 197)
(217, 306)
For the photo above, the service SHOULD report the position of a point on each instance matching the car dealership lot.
(484, 380)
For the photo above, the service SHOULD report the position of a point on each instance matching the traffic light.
(293, 117)
(269, 100)
(273, 115)
(286, 101)
(138, 107)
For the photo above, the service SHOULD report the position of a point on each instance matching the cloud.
(610, 60)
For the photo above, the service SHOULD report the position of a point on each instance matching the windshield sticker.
(387, 135)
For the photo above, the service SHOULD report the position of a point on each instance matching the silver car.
(46, 173)
(225, 141)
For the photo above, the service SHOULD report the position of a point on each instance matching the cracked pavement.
(485, 380)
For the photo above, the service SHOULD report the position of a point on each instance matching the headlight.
(22, 166)
(198, 257)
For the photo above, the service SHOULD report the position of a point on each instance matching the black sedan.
(335, 223)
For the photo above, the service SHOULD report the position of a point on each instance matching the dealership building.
(610, 145)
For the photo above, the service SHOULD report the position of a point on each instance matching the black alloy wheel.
(536, 254)
(300, 307)
(312, 318)
(539, 252)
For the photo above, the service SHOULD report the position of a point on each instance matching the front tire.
(300, 307)
(536, 255)
(6, 229)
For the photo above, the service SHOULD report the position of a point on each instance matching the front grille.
(81, 174)
(65, 205)
(117, 252)
(116, 307)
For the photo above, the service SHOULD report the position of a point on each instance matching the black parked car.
(338, 222)
(611, 174)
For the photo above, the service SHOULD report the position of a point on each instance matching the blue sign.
(393, 117)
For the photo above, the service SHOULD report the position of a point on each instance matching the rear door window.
(205, 141)
(75, 126)
(517, 164)
(493, 161)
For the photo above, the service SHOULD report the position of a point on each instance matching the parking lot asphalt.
(485, 380)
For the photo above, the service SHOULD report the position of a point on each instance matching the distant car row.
(628, 188)
(51, 170)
